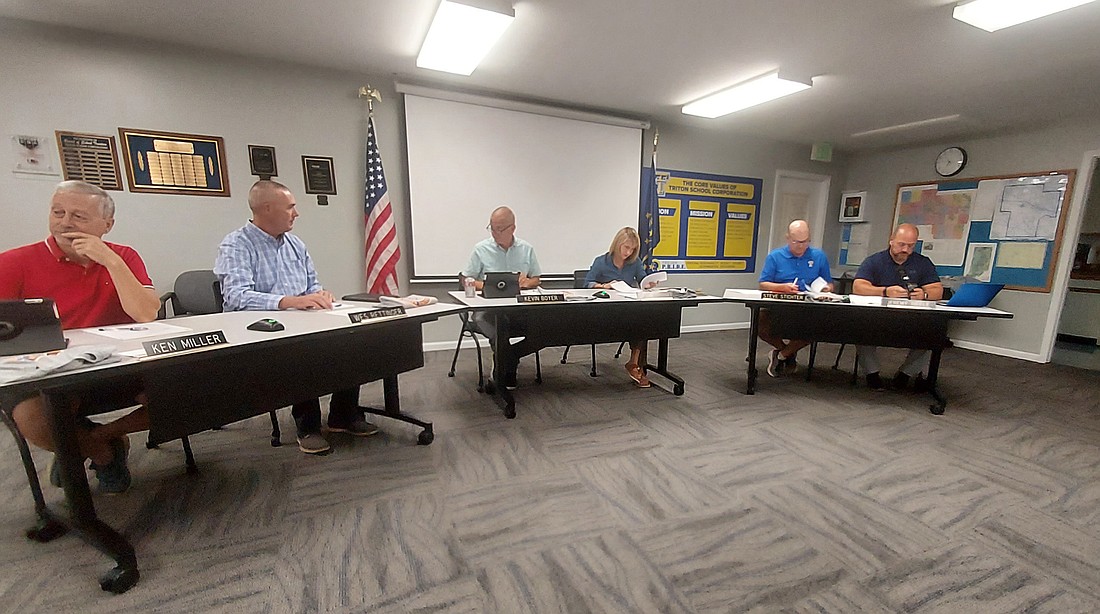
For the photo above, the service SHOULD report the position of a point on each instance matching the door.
(798, 196)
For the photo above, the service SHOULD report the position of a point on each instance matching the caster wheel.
(118, 580)
(425, 438)
(450, 374)
(678, 390)
(275, 443)
(937, 410)
(46, 530)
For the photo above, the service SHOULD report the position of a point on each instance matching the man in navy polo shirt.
(789, 270)
(898, 272)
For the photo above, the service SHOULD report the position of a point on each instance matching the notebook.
(974, 295)
(29, 326)
(500, 285)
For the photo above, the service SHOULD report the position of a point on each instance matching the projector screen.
(572, 184)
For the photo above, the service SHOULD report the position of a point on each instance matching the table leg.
(392, 410)
(661, 368)
(939, 401)
(75, 482)
(754, 316)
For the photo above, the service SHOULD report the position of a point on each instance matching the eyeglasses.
(499, 229)
(801, 242)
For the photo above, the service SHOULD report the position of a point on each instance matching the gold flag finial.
(371, 94)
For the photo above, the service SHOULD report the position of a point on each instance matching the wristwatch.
(884, 291)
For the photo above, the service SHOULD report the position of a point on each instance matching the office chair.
(578, 282)
(469, 329)
(197, 293)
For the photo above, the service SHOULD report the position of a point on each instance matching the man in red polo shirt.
(93, 283)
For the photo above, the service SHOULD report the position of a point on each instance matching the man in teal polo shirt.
(502, 252)
(789, 270)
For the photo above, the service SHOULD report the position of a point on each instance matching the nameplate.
(374, 314)
(779, 296)
(160, 347)
(906, 302)
(556, 297)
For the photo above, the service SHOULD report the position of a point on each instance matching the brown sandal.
(637, 375)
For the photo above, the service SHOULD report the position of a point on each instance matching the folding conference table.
(252, 373)
(580, 320)
(860, 321)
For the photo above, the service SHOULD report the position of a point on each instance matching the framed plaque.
(261, 160)
(851, 206)
(90, 158)
(319, 174)
(174, 163)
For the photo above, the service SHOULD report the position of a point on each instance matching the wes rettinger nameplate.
(185, 343)
(374, 314)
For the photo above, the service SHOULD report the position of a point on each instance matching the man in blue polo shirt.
(503, 251)
(897, 272)
(789, 270)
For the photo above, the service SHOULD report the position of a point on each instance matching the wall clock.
(951, 161)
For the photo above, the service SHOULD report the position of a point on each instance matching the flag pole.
(381, 249)
(372, 94)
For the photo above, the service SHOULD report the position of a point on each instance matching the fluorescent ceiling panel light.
(909, 126)
(744, 95)
(461, 35)
(992, 15)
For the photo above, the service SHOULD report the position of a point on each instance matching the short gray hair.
(74, 186)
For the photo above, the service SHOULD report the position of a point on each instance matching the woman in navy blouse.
(621, 263)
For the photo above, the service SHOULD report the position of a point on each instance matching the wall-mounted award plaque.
(319, 174)
(174, 163)
(261, 160)
(90, 158)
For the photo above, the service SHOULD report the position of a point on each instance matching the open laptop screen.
(29, 326)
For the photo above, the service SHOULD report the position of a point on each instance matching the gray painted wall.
(1050, 148)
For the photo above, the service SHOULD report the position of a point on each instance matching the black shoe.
(874, 382)
(901, 380)
(921, 385)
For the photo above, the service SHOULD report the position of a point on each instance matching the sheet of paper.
(654, 278)
(1022, 255)
(138, 331)
(623, 288)
(818, 285)
(740, 293)
(857, 243)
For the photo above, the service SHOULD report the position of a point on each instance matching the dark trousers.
(343, 409)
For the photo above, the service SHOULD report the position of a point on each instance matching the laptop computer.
(30, 326)
(500, 285)
(974, 295)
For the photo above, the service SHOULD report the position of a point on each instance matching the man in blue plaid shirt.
(262, 267)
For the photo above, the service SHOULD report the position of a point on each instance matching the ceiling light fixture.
(910, 125)
(992, 15)
(462, 33)
(744, 95)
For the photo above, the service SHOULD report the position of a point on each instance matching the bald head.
(903, 242)
(798, 237)
(502, 225)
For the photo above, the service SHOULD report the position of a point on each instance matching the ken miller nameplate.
(185, 343)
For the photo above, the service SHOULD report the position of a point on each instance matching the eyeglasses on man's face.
(498, 229)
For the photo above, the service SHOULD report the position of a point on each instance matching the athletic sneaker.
(114, 477)
(775, 368)
(358, 427)
(790, 365)
(313, 443)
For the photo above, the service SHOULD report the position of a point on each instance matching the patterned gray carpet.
(601, 497)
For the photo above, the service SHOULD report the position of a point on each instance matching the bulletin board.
(709, 223)
(999, 229)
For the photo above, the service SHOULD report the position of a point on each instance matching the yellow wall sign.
(708, 223)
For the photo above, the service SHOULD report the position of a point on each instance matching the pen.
(795, 282)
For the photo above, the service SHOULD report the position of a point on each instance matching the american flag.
(649, 218)
(382, 251)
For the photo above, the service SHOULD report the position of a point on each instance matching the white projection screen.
(571, 183)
